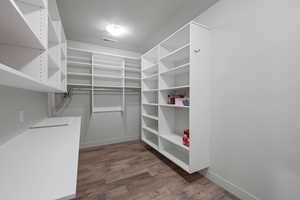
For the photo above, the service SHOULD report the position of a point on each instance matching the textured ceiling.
(148, 21)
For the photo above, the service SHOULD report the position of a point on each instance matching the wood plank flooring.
(134, 171)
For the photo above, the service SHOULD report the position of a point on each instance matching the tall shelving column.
(174, 80)
(150, 88)
(27, 57)
(184, 73)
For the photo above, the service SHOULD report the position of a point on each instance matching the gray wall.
(12, 101)
(255, 96)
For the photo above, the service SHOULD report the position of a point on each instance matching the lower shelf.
(175, 139)
(178, 162)
(151, 144)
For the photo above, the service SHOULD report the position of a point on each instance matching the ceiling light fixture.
(116, 30)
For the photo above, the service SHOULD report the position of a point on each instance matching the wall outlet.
(21, 116)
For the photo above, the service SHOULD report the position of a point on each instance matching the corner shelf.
(13, 78)
(15, 28)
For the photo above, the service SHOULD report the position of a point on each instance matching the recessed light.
(116, 30)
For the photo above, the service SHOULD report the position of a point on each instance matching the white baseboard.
(105, 142)
(227, 185)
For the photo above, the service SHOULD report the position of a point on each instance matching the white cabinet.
(178, 66)
(30, 46)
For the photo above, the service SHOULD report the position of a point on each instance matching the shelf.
(78, 64)
(79, 85)
(178, 162)
(177, 70)
(132, 78)
(108, 67)
(13, 78)
(38, 3)
(132, 69)
(178, 54)
(175, 139)
(176, 40)
(107, 76)
(107, 109)
(150, 117)
(15, 28)
(79, 74)
(151, 144)
(150, 78)
(101, 86)
(150, 90)
(152, 69)
(175, 88)
(174, 106)
(150, 104)
(155, 132)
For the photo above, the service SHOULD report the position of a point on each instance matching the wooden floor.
(133, 171)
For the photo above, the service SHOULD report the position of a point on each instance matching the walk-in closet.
(149, 100)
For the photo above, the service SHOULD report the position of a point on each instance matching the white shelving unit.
(108, 76)
(30, 45)
(179, 65)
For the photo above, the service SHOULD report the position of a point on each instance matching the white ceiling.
(148, 21)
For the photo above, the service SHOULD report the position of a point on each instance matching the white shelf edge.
(13, 78)
(78, 64)
(107, 109)
(174, 106)
(151, 90)
(78, 74)
(103, 53)
(174, 52)
(150, 104)
(180, 163)
(151, 144)
(150, 116)
(175, 88)
(173, 138)
(175, 69)
(150, 68)
(150, 130)
(107, 76)
(152, 77)
(132, 78)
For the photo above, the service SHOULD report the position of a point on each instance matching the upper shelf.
(176, 40)
(15, 28)
(39, 3)
(13, 78)
(177, 55)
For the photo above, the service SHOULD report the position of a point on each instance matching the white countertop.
(41, 164)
